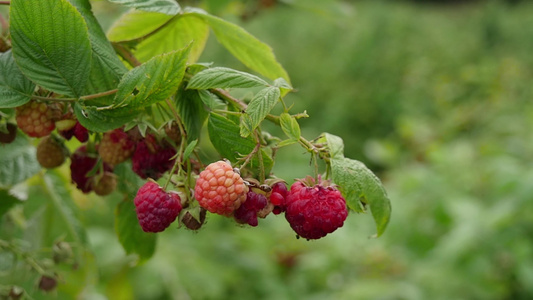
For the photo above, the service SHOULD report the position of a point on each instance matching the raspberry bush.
(137, 104)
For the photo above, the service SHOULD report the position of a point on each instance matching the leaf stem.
(126, 54)
(86, 97)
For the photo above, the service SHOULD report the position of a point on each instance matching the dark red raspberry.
(36, 119)
(50, 152)
(116, 147)
(151, 159)
(278, 197)
(81, 165)
(47, 283)
(9, 135)
(219, 189)
(314, 210)
(156, 209)
(247, 212)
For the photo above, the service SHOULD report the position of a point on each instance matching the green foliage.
(168, 7)
(17, 162)
(224, 78)
(260, 106)
(55, 53)
(15, 88)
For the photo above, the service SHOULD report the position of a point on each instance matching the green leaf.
(153, 81)
(224, 78)
(128, 182)
(7, 201)
(290, 126)
(17, 161)
(169, 7)
(130, 234)
(335, 145)
(96, 119)
(359, 185)
(225, 137)
(210, 100)
(136, 24)
(253, 53)
(51, 45)
(192, 111)
(106, 67)
(261, 105)
(189, 149)
(15, 89)
(155, 33)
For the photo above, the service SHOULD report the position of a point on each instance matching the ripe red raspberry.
(152, 159)
(35, 119)
(50, 152)
(82, 163)
(314, 211)
(247, 212)
(104, 184)
(156, 209)
(278, 197)
(219, 189)
(115, 147)
(9, 135)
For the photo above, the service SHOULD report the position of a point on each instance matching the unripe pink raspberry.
(314, 210)
(219, 189)
(35, 119)
(155, 208)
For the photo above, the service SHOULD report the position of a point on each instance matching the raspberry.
(115, 147)
(315, 211)
(50, 153)
(278, 197)
(219, 189)
(35, 119)
(105, 184)
(81, 164)
(247, 212)
(151, 159)
(156, 209)
(9, 135)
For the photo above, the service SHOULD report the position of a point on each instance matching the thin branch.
(5, 2)
(126, 54)
(86, 97)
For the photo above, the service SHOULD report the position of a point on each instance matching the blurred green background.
(434, 97)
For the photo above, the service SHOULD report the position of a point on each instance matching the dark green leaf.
(260, 106)
(17, 161)
(128, 182)
(253, 53)
(106, 67)
(225, 136)
(290, 126)
(224, 78)
(92, 118)
(6, 202)
(210, 100)
(130, 234)
(51, 45)
(360, 186)
(15, 89)
(192, 111)
(169, 7)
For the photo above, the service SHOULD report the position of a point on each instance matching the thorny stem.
(178, 161)
(4, 24)
(5, 2)
(260, 157)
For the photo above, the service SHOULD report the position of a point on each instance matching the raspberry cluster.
(247, 212)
